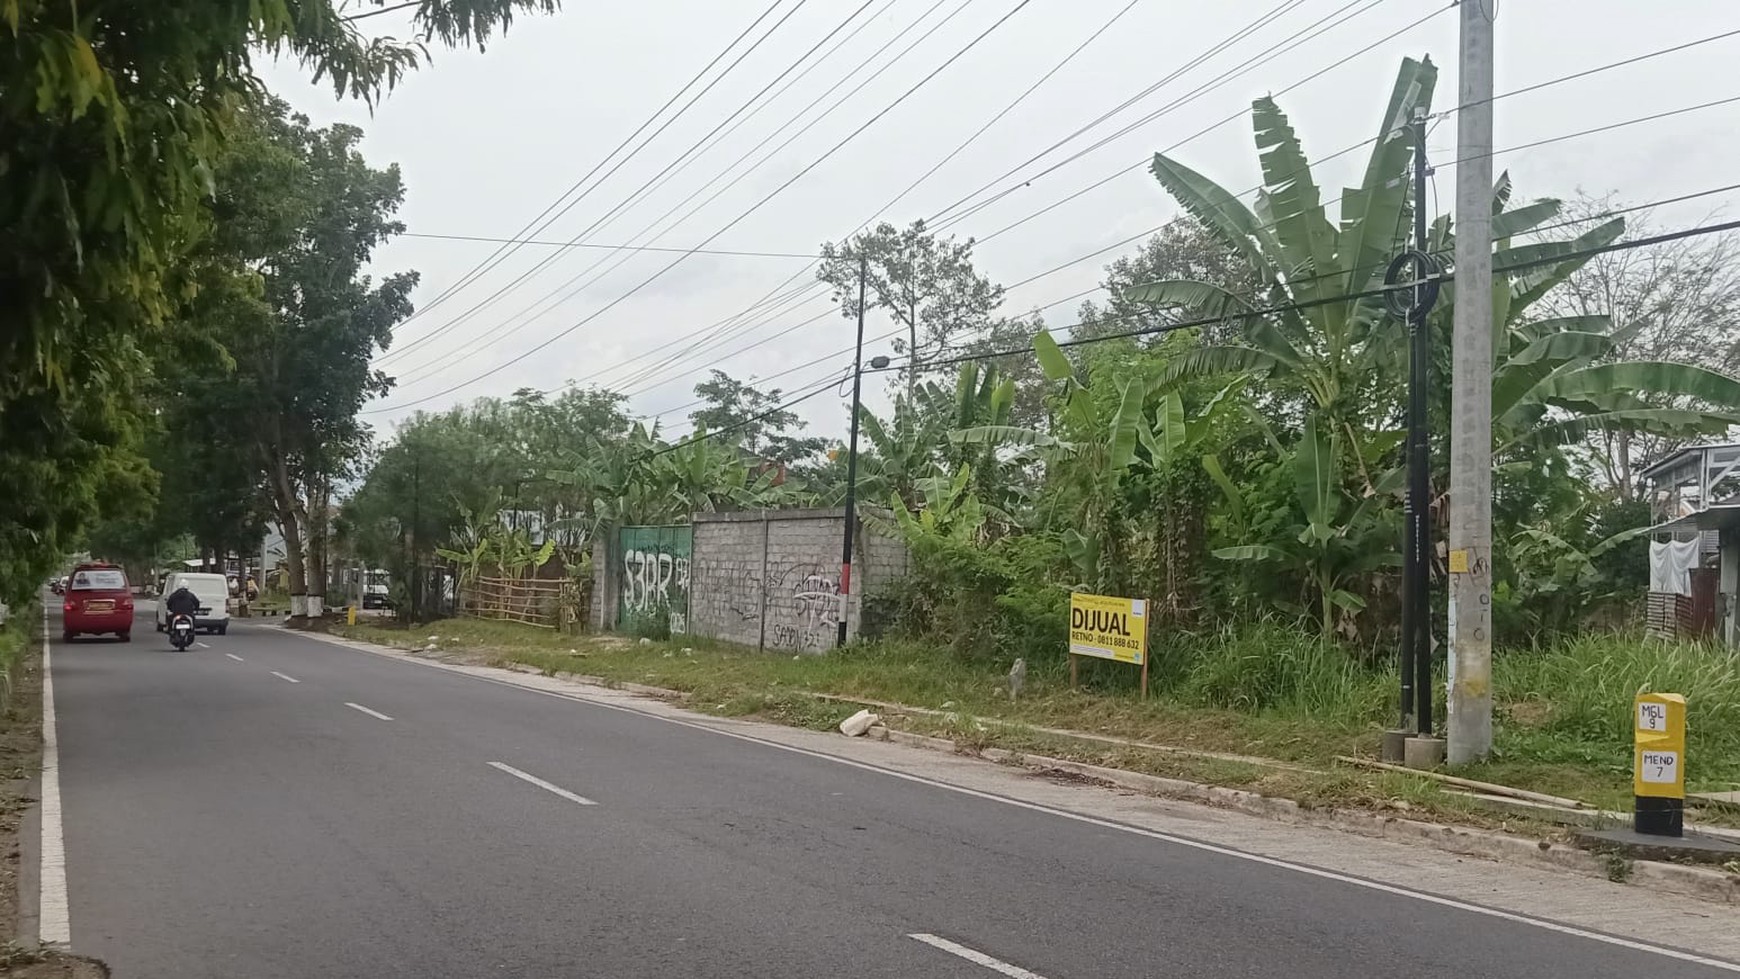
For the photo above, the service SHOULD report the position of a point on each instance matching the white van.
(214, 600)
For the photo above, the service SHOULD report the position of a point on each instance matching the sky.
(812, 134)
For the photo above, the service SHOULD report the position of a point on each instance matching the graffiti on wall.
(804, 613)
(655, 574)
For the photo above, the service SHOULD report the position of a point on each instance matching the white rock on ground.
(858, 723)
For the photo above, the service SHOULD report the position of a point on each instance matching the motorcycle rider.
(181, 602)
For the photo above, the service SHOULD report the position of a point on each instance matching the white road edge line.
(540, 783)
(202, 645)
(283, 677)
(1215, 848)
(235, 657)
(54, 915)
(377, 715)
(976, 957)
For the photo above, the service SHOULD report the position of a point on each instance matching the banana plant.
(950, 511)
(1329, 540)
(904, 449)
(472, 547)
(1341, 358)
(1101, 446)
(1331, 351)
(514, 552)
(1342, 355)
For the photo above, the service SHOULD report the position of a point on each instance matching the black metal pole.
(852, 459)
(1419, 460)
(416, 537)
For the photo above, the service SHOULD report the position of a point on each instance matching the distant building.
(1694, 547)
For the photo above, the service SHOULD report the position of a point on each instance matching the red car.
(98, 599)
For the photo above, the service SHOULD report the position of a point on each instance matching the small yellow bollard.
(351, 617)
(1658, 782)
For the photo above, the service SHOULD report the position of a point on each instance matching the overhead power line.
(384, 10)
(1021, 4)
(1536, 143)
(1293, 41)
(502, 254)
(735, 326)
(1239, 115)
(956, 212)
(830, 356)
(588, 244)
(816, 289)
(680, 162)
(745, 423)
(1531, 88)
(1516, 266)
(1194, 136)
(519, 320)
(1354, 275)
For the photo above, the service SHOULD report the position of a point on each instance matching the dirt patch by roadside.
(20, 761)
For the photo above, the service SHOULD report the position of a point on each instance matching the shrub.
(985, 602)
(648, 623)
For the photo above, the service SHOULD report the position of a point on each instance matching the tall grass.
(1571, 701)
(1275, 667)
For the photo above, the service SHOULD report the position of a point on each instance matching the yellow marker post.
(351, 617)
(1658, 783)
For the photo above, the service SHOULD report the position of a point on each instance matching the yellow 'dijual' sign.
(1108, 628)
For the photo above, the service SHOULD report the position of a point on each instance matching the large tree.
(1678, 301)
(300, 215)
(115, 114)
(1184, 249)
(747, 416)
(925, 282)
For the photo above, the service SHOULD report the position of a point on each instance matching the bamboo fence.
(532, 601)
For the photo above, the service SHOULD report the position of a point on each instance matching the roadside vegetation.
(20, 761)
(1564, 707)
(1222, 436)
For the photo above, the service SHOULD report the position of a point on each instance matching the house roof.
(1682, 455)
(1717, 516)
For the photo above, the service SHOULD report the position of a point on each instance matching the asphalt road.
(265, 805)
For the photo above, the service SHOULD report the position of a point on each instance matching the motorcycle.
(181, 631)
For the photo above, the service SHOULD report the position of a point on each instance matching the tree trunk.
(288, 504)
(318, 494)
(912, 357)
(1622, 467)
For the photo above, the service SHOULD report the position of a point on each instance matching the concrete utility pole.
(1470, 564)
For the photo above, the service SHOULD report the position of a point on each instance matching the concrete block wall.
(725, 576)
(770, 579)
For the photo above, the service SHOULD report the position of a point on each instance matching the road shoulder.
(21, 826)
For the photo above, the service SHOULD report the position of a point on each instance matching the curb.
(1695, 882)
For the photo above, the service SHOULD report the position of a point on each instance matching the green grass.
(1265, 691)
(15, 638)
(1564, 714)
